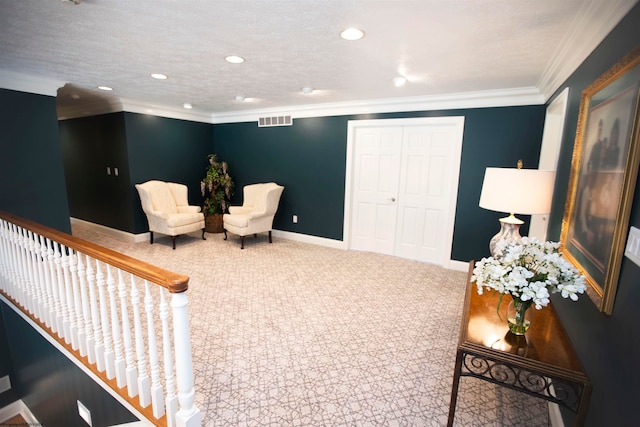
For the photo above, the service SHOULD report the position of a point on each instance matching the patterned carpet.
(294, 334)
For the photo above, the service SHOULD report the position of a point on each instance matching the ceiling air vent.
(274, 121)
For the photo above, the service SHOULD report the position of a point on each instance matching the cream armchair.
(259, 206)
(167, 208)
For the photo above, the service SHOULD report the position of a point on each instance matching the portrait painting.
(603, 175)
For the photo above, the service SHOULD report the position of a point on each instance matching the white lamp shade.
(517, 191)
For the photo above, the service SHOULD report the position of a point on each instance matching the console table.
(542, 363)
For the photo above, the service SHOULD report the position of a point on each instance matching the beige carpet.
(294, 334)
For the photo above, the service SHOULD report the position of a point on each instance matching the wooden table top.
(545, 342)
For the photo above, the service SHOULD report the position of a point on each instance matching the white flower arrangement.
(529, 270)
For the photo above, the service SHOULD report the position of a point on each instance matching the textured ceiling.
(442, 47)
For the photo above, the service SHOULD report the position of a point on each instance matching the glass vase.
(519, 316)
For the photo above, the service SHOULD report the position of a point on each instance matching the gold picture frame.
(604, 169)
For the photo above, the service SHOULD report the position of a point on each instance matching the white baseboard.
(18, 408)
(288, 235)
(314, 240)
(457, 265)
(118, 234)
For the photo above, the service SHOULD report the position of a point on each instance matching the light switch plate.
(5, 384)
(84, 413)
(633, 245)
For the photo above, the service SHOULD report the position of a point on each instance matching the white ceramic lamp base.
(509, 231)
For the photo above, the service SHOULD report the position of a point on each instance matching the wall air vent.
(274, 121)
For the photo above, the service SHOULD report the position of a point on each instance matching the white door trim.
(549, 153)
(353, 125)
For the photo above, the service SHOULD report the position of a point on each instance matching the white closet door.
(424, 195)
(377, 171)
(404, 183)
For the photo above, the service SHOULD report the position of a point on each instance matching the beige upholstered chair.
(167, 208)
(259, 206)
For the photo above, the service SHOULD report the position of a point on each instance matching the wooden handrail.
(173, 282)
(49, 278)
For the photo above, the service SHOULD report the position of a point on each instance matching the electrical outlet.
(5, 384)
(84, 413)
(295, 219)
(633, 245)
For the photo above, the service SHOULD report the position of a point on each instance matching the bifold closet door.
(402, 181)
(424, 192)
(375, 188)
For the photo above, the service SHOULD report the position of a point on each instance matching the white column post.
(73, 296)
(104, 322)
(130, 372)
(143, 377)
(94, 339)
(171, 399)
(157, 401)
(188, 415)
(84, 324)
(115, 330)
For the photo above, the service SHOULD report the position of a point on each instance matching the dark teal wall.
(32, 172)
(6, 367)
(309, 159)
(90, 145)
(142, 147)
(609, 346)
(33, 186)
(168, 150)
(50, 384)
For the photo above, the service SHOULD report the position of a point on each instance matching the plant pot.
(213, 223)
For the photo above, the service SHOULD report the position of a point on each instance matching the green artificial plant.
(217, 185)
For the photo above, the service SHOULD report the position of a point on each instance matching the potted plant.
(217, 186)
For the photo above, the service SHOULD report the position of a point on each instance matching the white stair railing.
(78, 293)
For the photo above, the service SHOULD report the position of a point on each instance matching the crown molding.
(27, 83)
(88, 109)
(134, 106)
(593, 22)
(481, 99)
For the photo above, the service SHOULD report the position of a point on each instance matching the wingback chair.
(167, 208)
(259, 206)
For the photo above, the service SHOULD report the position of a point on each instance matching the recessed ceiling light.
(352, 34)
(159, 76)
(234, 59)
(240, 98)
(307, 90)
(105, 88)
(399, 81)
(187, 106)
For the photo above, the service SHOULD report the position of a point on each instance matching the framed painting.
(603, 176)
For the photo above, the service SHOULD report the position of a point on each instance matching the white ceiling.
(448, 49)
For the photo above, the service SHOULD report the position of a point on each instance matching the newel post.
(188, 414)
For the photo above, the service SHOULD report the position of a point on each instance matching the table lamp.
(516, 191)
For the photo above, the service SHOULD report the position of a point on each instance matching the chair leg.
(203, 238)
(173, 238)
(225, 234)
(270, 241)
(151, 237)
(241, 242)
